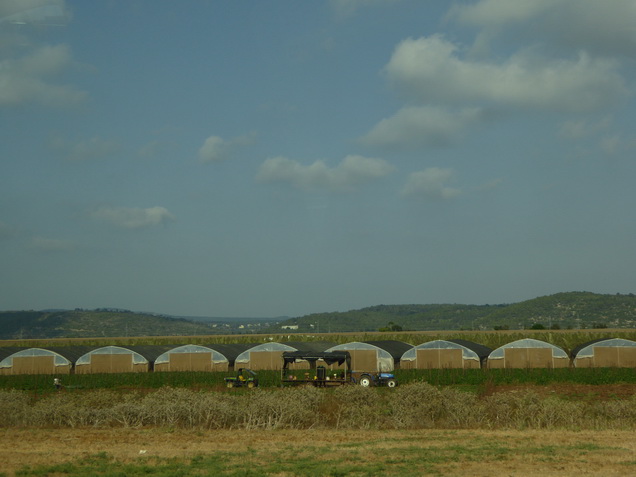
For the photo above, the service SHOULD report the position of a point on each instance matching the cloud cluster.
(568, 60)
(432, 70)
(216, 149)
(352, 171)
(28, 79)
(601, 28)
(132, 217)
(431, 183)
(416, 126)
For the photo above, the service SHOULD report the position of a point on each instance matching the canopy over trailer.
(318, 376)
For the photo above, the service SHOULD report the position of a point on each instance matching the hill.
(578, 310)
(108, 323)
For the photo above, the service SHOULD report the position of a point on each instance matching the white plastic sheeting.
(528, 343)
(588, 351)
(191, 349)
(244, 357)
(385, 360)
(411, 355)
(86, 358)
(58, 360)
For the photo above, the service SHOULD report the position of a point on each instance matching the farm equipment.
(318, 374)
(244, 378)
(377, 379)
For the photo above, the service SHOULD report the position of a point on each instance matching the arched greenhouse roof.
(361, 345)
(586, 350)
(284, 346)
(479, 352)
(220, 352)
(140, 354)
(60, 359)
(528, 343)
(270, 346)
(394, 347)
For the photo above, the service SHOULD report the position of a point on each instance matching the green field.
(466, 379)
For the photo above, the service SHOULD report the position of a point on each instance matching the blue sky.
(279, 158)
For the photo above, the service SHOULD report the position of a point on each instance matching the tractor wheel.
(250, 384)
(366, 381)
(230, 384)
(391, 383)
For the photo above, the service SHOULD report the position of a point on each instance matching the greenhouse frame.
(269, 356)
(445, 354)
(50, 360)
(374, 356)
(528, 353)
(191, 357)
(119, 359)
(605, 353)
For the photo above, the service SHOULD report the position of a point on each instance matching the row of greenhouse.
(369, 356)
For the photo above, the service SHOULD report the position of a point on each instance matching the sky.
(278, 158)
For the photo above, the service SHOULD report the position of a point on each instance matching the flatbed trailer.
(317, 374)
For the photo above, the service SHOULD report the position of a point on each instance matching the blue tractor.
(377, 379)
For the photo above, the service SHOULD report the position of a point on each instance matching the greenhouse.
(117, 359)
(267, 356)
(528, 353)
(58, 360)
(374, 356)
(445, 354)
(605, 353)
(213, 357)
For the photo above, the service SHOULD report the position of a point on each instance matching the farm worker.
(57, 383)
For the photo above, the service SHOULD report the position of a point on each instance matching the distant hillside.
(92, 323)
(577, 310)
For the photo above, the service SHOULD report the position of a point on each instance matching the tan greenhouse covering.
(608, 353)
(528, 353)
(442, 354)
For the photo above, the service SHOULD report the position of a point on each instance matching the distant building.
(289, 327)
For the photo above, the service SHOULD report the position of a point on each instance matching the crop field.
(436, 422)
(470, 379)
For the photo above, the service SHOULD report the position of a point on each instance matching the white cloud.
(42, 244)
(217, 149)
(35, 12)
(421, 126)
(93, 148)
(352, 171)
(212, 149)
(132, 217)
(431, 70)
(605, 28)
(430, 183)
(27, 79)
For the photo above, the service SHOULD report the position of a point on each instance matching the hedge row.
(412, 406)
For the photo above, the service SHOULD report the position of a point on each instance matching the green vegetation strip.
(471, 379)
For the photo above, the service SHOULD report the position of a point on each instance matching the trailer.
(318, 375)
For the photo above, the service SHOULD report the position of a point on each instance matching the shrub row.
(413, 406)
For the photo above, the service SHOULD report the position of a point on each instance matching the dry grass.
(334, 452)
